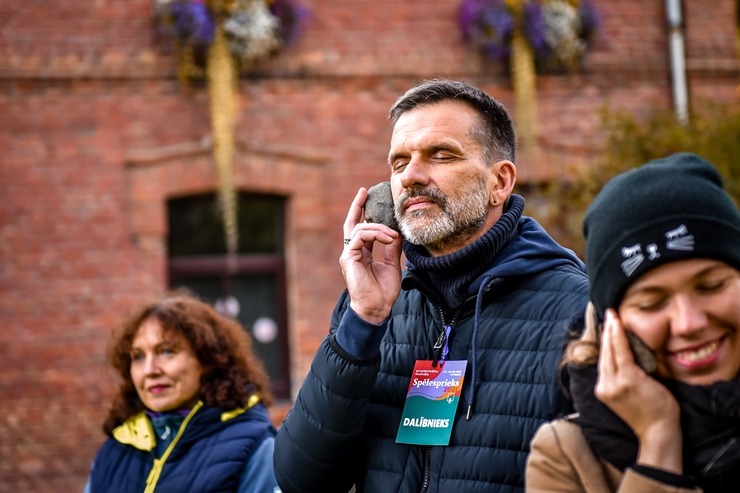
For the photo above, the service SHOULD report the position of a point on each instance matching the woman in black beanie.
(655, 376)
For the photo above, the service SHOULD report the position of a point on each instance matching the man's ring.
(346, 241)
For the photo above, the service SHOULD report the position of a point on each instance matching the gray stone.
(379, 205)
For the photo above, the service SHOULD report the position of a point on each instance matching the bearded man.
(435, 378)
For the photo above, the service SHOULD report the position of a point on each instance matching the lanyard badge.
(431, 402)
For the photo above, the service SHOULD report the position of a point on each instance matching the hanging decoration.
(222, 78)
(532, 36)
(214, 41)
(523, 75)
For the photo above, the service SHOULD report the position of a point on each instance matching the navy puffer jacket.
(511, 330)
(209, 454)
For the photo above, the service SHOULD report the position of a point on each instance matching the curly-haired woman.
(190, 414)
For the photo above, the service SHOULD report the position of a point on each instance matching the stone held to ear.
(379, 205)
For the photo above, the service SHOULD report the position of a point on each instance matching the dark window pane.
(252, 299)
(195, 226)
(255, 282)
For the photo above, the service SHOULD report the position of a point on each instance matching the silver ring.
(346, 241)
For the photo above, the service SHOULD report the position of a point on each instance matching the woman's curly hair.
(231, 371)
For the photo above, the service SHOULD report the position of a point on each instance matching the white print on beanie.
(680, 239)
(676, 239)
(634, 258)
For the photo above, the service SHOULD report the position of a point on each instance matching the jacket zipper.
(444, 334)
(438, 349)
(427, 469)
(439, 346)
(158, 465)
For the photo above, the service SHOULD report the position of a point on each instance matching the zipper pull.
(154, 472)
(441, 348)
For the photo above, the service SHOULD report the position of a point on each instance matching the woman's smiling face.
(164, 368)
(688, 313)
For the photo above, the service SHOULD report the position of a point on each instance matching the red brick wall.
(95, 135)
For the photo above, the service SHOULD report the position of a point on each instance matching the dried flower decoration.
(214, 40)
(254, 29)
(529, 36)
(559, 32)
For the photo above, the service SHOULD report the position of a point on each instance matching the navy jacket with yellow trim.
(209, 453)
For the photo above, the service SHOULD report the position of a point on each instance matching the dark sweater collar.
(451, 275)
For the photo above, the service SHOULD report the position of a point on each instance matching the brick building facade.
(96, 136)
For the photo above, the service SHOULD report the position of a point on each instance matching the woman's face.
(164, 368)
(688, 313)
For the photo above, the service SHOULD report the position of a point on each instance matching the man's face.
(441, 185)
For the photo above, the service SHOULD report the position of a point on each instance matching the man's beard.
(450, 224)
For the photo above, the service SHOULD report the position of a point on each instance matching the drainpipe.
(678, 59)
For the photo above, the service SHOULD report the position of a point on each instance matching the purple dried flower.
(534, 26)
(193, 22)
(293, 18)
(467, 14)
(590, 20)
(487, 25)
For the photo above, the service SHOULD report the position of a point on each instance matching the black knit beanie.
(668, 209)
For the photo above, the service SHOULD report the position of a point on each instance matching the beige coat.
(562, 462)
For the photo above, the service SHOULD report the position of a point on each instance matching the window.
(252, 287)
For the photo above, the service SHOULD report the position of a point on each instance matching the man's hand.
(373, 285)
